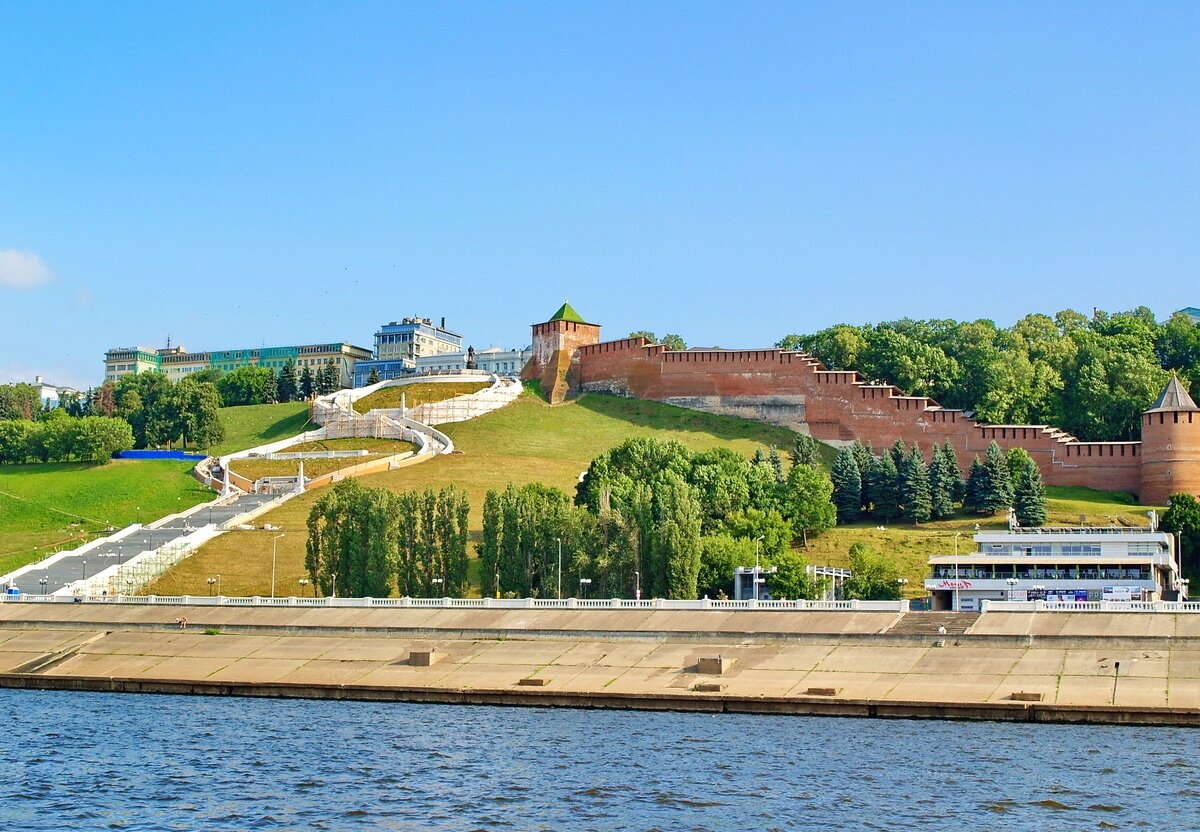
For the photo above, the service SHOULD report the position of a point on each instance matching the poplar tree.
(847, 486)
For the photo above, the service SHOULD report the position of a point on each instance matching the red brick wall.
(838, 406)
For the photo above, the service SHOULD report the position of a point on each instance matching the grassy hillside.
(253, 468)
(526, 441)
(256, 424)
(531, 441)
(62, 504)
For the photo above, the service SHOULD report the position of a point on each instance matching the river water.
(94, 761)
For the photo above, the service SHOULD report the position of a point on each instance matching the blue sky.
(239, 175)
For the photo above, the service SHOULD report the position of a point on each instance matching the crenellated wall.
(836, 406)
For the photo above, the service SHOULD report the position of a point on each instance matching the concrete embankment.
(1045, 667)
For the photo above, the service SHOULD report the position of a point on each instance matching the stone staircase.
(927, 623)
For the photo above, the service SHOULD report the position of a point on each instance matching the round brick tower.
(1170, 446)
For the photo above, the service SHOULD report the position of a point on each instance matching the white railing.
(475, 603)
(1089, 606)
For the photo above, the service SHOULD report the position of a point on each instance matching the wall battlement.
(795, 390)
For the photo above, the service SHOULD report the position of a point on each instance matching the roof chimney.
(443, 322)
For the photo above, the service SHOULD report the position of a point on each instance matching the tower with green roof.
(556, 344)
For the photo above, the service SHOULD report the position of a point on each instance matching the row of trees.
(371, 542)
(60, 438)
(653, 516)
(1092, 376)
(898, 484)
(162, 412)
(262, 385)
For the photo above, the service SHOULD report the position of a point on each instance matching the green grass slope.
(59, 505)
(257, 424)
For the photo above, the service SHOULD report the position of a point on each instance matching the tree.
(998, 496)
(805, 451)
(286, 386)
(307, 383)
(790, 578)
(914, 488)
(978, 485)
(872, 576)
(374, 377)
(644, 333)
(1182, 518)
(328, 380)
(847, 486)
(488, 548)
(807, 501)
(19, 401)
(14, 440)
(674, 342)
(1029, 494)
(97, 438)
(247, 385)
(958, 486)
(884, 488)
(720, 555)
(192, 412)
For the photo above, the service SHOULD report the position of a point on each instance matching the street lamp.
(303, 583)
(83, 567)
(900, 584)
(757, 571)
(43, 583)
(210, 582)
(957, 535)
(559, 539)
(334, 586)
(438, 583)
(583, 582)
(120, 555)
(637, 585)
(1012, 587)
(274, 541)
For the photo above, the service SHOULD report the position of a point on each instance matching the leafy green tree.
(771, 526)
(19, 401)
(721, 477)
(14, 440)
(644, 333)
(914, 488)
(97, 438)
(790, 579)
(873, 576)
(193, 413)
(720, 555)
(999, 493)
(287, 386)
(488, 548)
(806, 451)
(1182, 518)
(674, 342)
(675, 537)
(807, 501)
(847, 486)
(247, 385)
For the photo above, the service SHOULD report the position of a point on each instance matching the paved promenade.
(1046, 666)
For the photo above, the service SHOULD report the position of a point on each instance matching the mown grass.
(61, 505)
(254, 467)
(418, 394)
(527, 441)
(257, 424)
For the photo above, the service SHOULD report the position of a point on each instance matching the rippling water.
(138, 762)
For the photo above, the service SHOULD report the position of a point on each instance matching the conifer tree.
(885, 488)
(941, 486)
(374, 377)
(1029, 496)
(776, 464)
(285, 385)
(958, 486)
(915, 488)
(899, 453)
(978, 484)
(999, 495)
(307, 384)
(863, 455)
(847, 486)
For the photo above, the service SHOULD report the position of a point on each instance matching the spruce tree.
(941, 486)
(307, 385)
(847, 486)
(776, 464)
(978, 483)
(1029, 496)
(999, 494)
(885, 487)
(899, 453)
(958, 486)
(374, 377)
(285, 385)
(915, 488)
(863, 455)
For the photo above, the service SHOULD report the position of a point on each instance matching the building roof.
(1173, 397)
(566, 313)
(1191, 311)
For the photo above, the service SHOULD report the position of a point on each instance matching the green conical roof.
(566, 313)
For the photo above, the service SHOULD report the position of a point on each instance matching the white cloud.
(22, 269)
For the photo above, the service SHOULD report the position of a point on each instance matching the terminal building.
(176, 363)
(1071, 564)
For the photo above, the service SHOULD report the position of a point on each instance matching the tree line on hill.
(899, 484)
(1091, 376)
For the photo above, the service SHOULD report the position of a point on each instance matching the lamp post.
(274, 542)
(583, 582)
(637, 585)
(757, 568)
(900, 584)
(83, 569)
(1012, 586)
(303, 583)
(438, 582)
(957, 535)
(334, 586)
(120, 555)
(210, 582)
(559, 539)
(43, 582)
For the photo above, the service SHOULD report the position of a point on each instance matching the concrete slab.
(676, 655)
(797, 657)
(940, 688)
(298, 647)
(481, 675)
(190, 667)
(1044, 684)
(1184, 693)
(324, 672)
(1040, 662)
(853, 685)
(257, 670)
(1185, 664)
(230, 646)
(523, 652)
(104, 664)
(953, 661)
(855, 659)
(44, 641)
(14, 659)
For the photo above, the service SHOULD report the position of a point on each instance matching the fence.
(987, 605)
(473, 603)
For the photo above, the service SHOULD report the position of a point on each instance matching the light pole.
(83, 568)
(583, 582)
(559, 539)
(274, 541)
(900, 584)
(304, 583)
(757, 570)
(43, 582)
(438, 583)
(1012, 587)
(120, 556)
(210, 582)
(334, 586)
(637, 585)
(957, 535)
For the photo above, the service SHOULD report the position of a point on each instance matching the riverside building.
(1063, 564)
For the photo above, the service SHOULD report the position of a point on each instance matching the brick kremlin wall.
(794, 390)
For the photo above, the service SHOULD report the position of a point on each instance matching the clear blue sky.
(256, 174)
